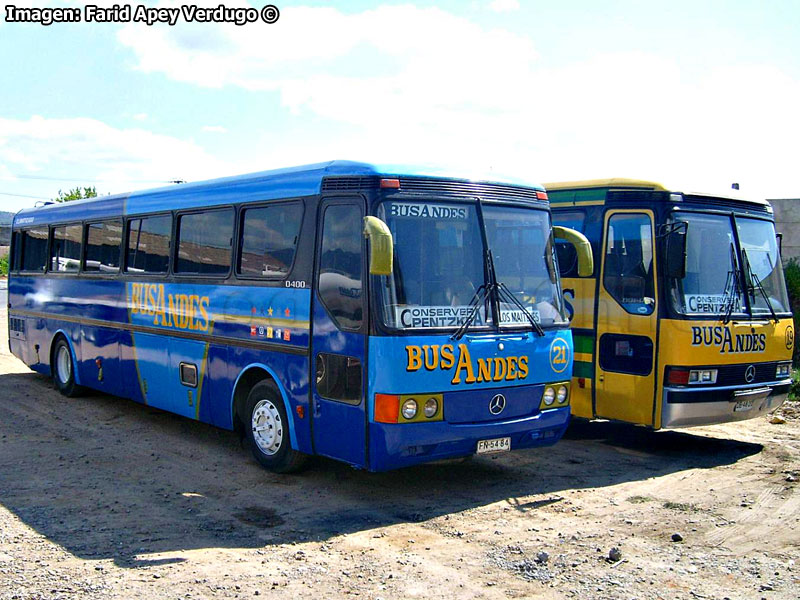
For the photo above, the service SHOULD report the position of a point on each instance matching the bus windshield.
(433, 283)
(714, 267)
(764, 275)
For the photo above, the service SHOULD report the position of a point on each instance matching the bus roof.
(616, 183)
(621, 183)
(288, 182)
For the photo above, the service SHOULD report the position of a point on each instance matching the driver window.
(340, 265)
(628, 271)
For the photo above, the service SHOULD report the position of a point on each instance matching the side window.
(33, 249)
(148, 244)
(567, 256)
(103, 242)
(65, 250)
(628, 271)
(204, 242)
(340, 265)
(269, 239)
(13, 252)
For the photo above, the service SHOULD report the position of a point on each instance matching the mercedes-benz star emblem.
(497, 404)
(750, 374)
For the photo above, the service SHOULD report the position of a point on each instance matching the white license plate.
(496, 445)
(743, 405)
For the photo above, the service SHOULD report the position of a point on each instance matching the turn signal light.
(387, 408)
(392, 184)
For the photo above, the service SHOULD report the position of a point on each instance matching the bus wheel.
(267, 430)
(63, 369)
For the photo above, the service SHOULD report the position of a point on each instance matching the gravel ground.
(104, 498)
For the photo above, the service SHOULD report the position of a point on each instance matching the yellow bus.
(685, 318)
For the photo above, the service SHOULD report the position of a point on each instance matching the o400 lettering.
(295, 284)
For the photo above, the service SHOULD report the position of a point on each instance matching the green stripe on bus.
(583, 343)
(583, 369)
(557, 196)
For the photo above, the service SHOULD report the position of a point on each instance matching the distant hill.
(6, 218)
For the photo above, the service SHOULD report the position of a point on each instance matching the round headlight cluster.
(549, 396)
(409, 409)
(561, 394)
(431, 407)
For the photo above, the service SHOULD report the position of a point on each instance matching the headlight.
(700, 376)
(431, 407)
(548, 396)
(783, 371)
(561, 394)
(409, 409)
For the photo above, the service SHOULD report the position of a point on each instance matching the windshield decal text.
(712, 303)
(455, 316)
(427, 211)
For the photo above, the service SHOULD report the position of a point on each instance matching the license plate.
(496, 445)
(743, 405)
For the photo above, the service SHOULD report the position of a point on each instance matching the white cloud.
(140, 117)
(118, 160)
(214, 129)
(423, 85)
(504, 5)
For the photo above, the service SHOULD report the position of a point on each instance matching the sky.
(695, 94)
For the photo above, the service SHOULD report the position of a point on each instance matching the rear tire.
(267, 430)
(63, 370)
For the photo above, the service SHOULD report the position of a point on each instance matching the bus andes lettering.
(179, 311)
(728, 342)
(499, 368)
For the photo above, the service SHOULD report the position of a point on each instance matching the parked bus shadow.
(106, 478)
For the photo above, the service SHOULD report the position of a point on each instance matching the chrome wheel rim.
(267, 427)
(63, 365)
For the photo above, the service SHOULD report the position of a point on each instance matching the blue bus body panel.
(438, 365)
(130, 338)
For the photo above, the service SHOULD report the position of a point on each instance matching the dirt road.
(104, 498)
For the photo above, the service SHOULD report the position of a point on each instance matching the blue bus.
(377, 316)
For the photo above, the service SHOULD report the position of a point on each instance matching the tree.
(76, 194)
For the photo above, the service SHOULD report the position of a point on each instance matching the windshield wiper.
(733, 278)
(755, 282)
(478, 301)
(504, 292)
(497, 291)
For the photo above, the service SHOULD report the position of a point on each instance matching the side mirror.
(381, 246)
(582, 248)
(779, 237)
(675, 253)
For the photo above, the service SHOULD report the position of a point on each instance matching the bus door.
(627, 319)
(339, 334)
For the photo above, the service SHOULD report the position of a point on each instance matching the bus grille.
(16, 324)
(434, 187)
(735, 374)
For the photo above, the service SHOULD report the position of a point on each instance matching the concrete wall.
(787, 222)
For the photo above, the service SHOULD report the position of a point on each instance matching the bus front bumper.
(392, 446)
(688, 407)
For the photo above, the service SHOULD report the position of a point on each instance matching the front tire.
(267, 430)
(63, 370)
